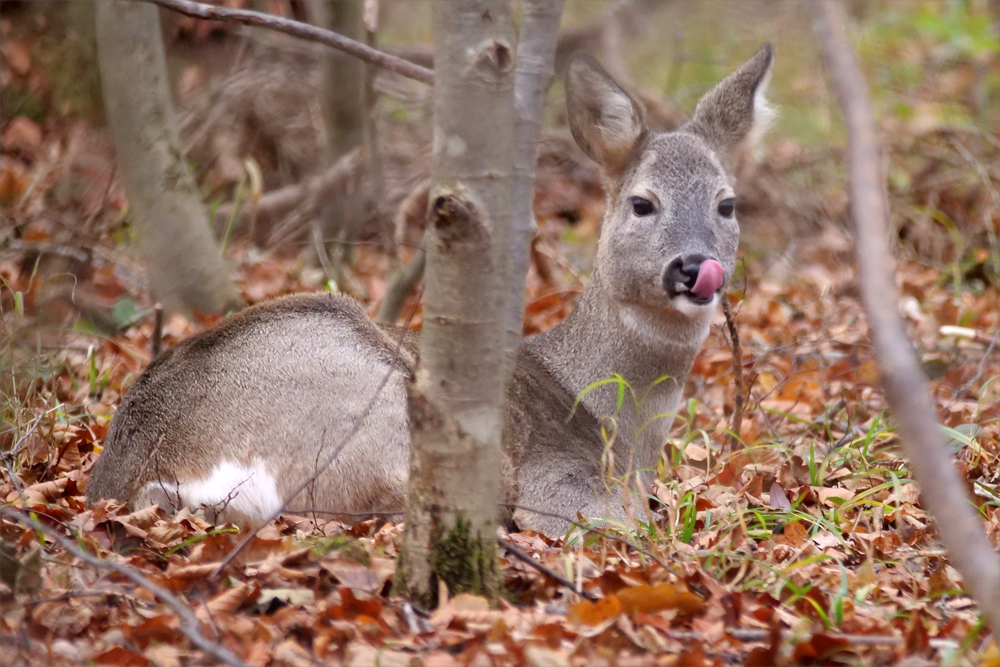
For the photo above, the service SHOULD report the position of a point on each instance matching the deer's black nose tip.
(682, 273)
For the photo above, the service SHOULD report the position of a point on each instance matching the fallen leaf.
(22, 135)
(777, 497)
(122, 657)
(651, 599)
(594, 613)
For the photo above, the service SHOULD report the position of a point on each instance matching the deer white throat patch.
(232, 492)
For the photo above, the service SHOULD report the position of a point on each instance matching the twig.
(590, 529)
(547, 571)
(330, 459)
(990, 343)
(190, 625)
(736, 422)
(9, 457)
(302, 31)
(156, 341)
(942, 489)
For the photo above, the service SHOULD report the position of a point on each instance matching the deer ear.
(734, 115)
(606, 122)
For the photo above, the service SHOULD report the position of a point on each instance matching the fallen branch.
(547, 571)
(190, 625)
(590, 529)
(306, 197)
(941, 487)
(302, 31)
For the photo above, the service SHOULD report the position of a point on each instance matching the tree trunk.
(174, 240)
(942, 489)
(456, 399)
(536, 54)
(343, 76)
(342, 100)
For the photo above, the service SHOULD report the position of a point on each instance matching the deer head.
(669, 238)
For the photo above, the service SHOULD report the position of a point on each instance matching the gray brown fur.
(282, 382)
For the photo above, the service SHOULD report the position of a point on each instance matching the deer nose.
(699, 275)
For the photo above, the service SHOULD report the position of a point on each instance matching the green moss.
(346, 546)
(465, 562)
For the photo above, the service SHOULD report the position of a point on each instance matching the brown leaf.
(121, 657)
(728, 476)
(291, 653)
(46, 492)
(766, 656)
(793, 534)
(693, 657)
(594, 613)
(822, 649)
(916, 639)
(22, 135)
(18, 56)
(777, 497)
(651, 599)
(63, 618)
(352, 574)
(227, 602)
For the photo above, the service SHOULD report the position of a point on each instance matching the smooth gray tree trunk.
(536, 55)
(457, 397)
(174, 239)
(342, 100)
(343, 76)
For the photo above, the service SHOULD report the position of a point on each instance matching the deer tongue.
(709, 280)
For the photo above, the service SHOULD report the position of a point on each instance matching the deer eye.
(642, 207)
(727, 207)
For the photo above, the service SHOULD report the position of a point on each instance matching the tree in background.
(186, 272)
(342, 100)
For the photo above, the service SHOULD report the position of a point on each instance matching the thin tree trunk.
(536, 54)
(456, 399)
(343, 76)
(174, 238)
(535, 68)
(941, 487)
(342, 99)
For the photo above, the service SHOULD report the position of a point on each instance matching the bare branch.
(302, 31)
(190, 625)
(941, 487)
(590, 529)
(736, 423)
(547, 571)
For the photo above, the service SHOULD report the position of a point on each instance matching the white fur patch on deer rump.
(231, 493)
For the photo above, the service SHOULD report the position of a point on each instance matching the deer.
(235, 419)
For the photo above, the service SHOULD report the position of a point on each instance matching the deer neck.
(651, 349)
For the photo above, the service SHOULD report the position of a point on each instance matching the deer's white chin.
(662, 326)
(694, 309)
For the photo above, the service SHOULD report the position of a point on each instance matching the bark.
(942, 489)
(536, 52)
(174, 239)
(456, 399)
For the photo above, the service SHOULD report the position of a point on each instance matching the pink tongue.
(709, 279)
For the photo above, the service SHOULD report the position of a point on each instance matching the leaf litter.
(808, 545)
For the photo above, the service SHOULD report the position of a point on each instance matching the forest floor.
(808, 545)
